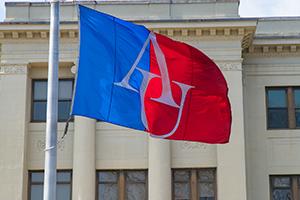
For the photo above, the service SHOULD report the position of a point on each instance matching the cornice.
(243, 32)
(272, 50)
(36, 34)
(206, 32)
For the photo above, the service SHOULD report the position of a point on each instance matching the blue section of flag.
(108, 48)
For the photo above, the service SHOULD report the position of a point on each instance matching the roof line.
(141, 20)
(235, 19)
(21, 3)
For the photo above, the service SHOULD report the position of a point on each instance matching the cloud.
(286, 8)
(1, 10)
(269, 8)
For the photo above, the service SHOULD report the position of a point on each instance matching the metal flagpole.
(52, 105)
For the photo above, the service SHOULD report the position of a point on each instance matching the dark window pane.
(65, 92)
(106, 177)
(298, 118)
(39, 111)
(297, 97)
(207, 198)
(63, 177)
(281, 194)
(181, 175)
(277, 98)
(281, 182)
(37, 177)
(206, 184)
(36, 192)
(64, 110)
(182, 191)
(63, 192)
(40, 90)
(135, 185)
(136, 176)
(108, 191)
(65, 89)
(297, 105)
(206, 190)
(135, 191)
(206, 175)
(277, 118)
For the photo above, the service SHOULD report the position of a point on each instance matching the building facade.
(260, 59)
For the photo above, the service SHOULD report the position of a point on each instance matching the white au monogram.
(166, 95)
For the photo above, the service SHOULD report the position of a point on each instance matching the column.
(13, 130)
(84, 171)
(159, 175)
(231, 167)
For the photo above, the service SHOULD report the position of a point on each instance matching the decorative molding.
(184, 32)
(279, 49)
(247, 40)
(44, 35)
(230, 66)
(241, 31)
(15, 35)
(41, 144)
(13, 69)
(213, 32)
(198, 32)
(74, 69)
(227, 31)
(29, 35)
(189, 146)
(272, 50)
(294, 48)
(181, 32)
(72, 34)
(206, 31)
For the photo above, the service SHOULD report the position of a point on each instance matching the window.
(285, 187)
(63, 189)
(297, 106)
(194, 184)
(121, 185)
(283, 107)
(39, 99)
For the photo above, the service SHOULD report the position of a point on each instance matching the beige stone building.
(260, 59)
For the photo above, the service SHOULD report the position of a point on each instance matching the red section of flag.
(206, 115)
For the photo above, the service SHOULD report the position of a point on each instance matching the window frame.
(62, 100)
(291, 106)
(295, 185)
(121, 181)
(295, 107)
(193, 173)
(42, 183)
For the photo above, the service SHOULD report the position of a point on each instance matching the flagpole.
(52, 105)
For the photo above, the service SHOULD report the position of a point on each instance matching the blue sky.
(248, 8)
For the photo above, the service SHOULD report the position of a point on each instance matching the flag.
(130, 76)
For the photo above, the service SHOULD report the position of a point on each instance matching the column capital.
(13, 69)
(230, 66)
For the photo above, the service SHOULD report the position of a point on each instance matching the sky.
(248, 8)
